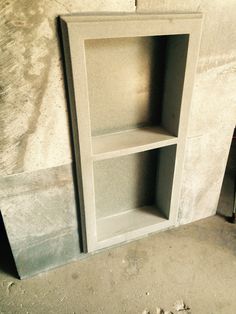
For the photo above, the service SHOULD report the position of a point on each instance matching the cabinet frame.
(75, 30)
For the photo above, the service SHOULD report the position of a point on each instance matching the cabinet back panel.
(125, 77)
(125, 183)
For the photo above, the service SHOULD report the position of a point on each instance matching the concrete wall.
(34, 132)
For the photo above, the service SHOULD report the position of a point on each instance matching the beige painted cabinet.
(130, 80)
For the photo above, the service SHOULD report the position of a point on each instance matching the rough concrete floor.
(196, 263)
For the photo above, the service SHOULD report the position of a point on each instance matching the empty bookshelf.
(130, 80)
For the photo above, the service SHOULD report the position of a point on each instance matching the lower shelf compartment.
(133, 195)
(131, 220)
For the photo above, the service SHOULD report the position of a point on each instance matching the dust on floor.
(195, 263)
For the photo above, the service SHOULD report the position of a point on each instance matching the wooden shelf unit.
(130, 79)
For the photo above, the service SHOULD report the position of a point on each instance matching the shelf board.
(129, 222)
(130, 141)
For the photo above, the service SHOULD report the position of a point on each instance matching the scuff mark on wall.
(27, 41)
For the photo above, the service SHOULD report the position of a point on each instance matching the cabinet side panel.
(74, 123)
(165, 173)
(176, 56)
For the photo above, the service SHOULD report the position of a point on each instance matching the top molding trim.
(94, 26)
(95, 17)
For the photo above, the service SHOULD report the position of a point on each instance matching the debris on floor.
(181, 306)
(158, 311)
(161, 311)
(9, 286)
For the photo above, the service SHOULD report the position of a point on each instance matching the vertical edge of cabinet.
(188, 85)
(78, 140)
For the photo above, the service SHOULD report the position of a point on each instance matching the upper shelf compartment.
(135, 90)
(129, 142)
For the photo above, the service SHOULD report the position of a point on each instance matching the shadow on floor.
(226, 201)
(7, 264)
